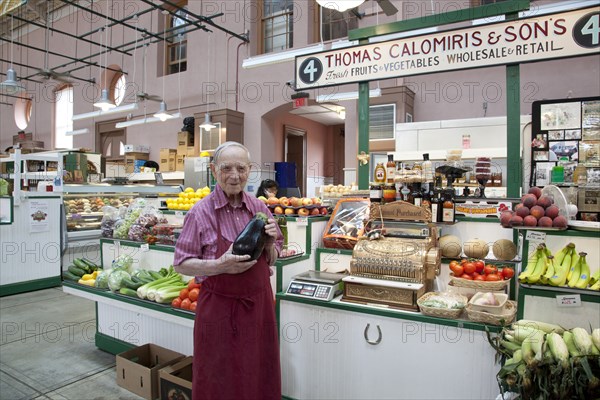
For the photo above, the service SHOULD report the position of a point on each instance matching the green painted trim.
(130, 300)
(292, 261)
(334, 251)
(12, 210)
(173, 212)
(111, 345)
(392, 314)
(130, 243)
(44, 197)
(452, 17)
(513, 124)
(473, 219)
(446, 260)
(30, 286)
(311, 219)
(287, 398)
(363, 131)
(552, 291)
(568, 232)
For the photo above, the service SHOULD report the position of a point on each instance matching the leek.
(168, 293)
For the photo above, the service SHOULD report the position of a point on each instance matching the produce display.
(546, 361)
(302, 206)
(565, 268)
(335, 190)
(186, 199)
(534, 210)
(82, 271)
(478, 270)
(188, 296)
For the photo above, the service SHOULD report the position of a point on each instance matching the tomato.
(469, 268)
(193, 296)
(508, 272)
(192, 284)
(193, 306)
(479, 278)
(490, 269)
(493, 277)
(185, 304)
(457, 270)
(453, 262)
(466, 276)
(184, 294)
(463, 261)
(176, 303)
(479, 266)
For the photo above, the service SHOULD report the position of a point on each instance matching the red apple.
(315, 211)
(323, 210)
(295, 202)
(316, 200)
(273, 201)
(303, 212)
(278, 210)
(307, 201)
(284, 201)
(289, 211)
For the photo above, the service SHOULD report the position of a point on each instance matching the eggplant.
(251, 241)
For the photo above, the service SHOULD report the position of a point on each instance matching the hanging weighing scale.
(317, 285)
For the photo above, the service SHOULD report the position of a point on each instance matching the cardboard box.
(191, 152)
(168, 159)
(136, 148)
(180, 162)
(131, 158)
(137, 369)
(176, 379)
(185, 139)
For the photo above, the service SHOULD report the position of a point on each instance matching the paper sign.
(535, 236)
(568, 300)
(302, 221)
(38, 216)
(144, 247)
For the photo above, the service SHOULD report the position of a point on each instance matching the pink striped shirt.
(199, 236)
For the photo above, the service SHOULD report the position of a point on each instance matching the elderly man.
(236, 353)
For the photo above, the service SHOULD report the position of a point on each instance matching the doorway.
(295, 152)
(110, 143)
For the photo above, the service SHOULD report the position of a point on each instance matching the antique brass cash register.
(396, 261)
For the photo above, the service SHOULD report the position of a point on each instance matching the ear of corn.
(582, 341)
(596, 338)
(559, 349)
(542, 326)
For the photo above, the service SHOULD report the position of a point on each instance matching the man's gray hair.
(226, 145)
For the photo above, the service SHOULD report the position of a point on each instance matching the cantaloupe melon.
(450, 246)
(504, 249)
(476, 248)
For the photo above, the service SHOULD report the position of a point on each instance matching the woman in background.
(268, 188)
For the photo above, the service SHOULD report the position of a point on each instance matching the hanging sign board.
(568, 34)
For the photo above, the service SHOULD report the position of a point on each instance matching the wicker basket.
(452, 313)
(479, 285)
(507, 316)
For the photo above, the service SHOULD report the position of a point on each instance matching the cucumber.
(67, 275)
(81, 265)
(128, 292)
(90, 264)
(77, 271)
(130, 284)
(155, 275)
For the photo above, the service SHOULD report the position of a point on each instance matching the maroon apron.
(236, 351)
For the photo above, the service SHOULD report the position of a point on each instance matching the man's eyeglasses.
(230, 168)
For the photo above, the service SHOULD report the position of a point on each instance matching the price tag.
(302, 221)
(179, 214)
(568, 300)
(145, 247)
(117, 248)
(535, 236)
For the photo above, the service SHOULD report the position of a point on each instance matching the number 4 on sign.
(592, 27)
(311, 70)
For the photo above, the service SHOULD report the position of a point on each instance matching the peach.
(545, 222)
(518, 206)
(530, 220)
(545, 202)
(278, 210)
(303, 212)
(552, 211)
(307, 201)
(516, 221)
(523, 211)
(316, 200)
(560, 222)
(536, 191)
(284, 201)
(537, 211)
(273, 201)
(295, 202)
(529, 200)
(505, 218)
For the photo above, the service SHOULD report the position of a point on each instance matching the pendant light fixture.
(207, 125)
(105, 103)
(162, 113)
(10, 84)
(340, 5)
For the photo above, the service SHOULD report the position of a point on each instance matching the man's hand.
(229, 263)
(271, 230)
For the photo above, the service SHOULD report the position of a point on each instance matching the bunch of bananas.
(567, 267)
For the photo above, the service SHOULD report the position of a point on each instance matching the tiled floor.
(47, 350)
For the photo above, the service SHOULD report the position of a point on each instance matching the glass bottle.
(416, 194)
(448, 207)
(390, 170)
(427, 168)
(426, 200)
(379, 175)
(375, 193)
